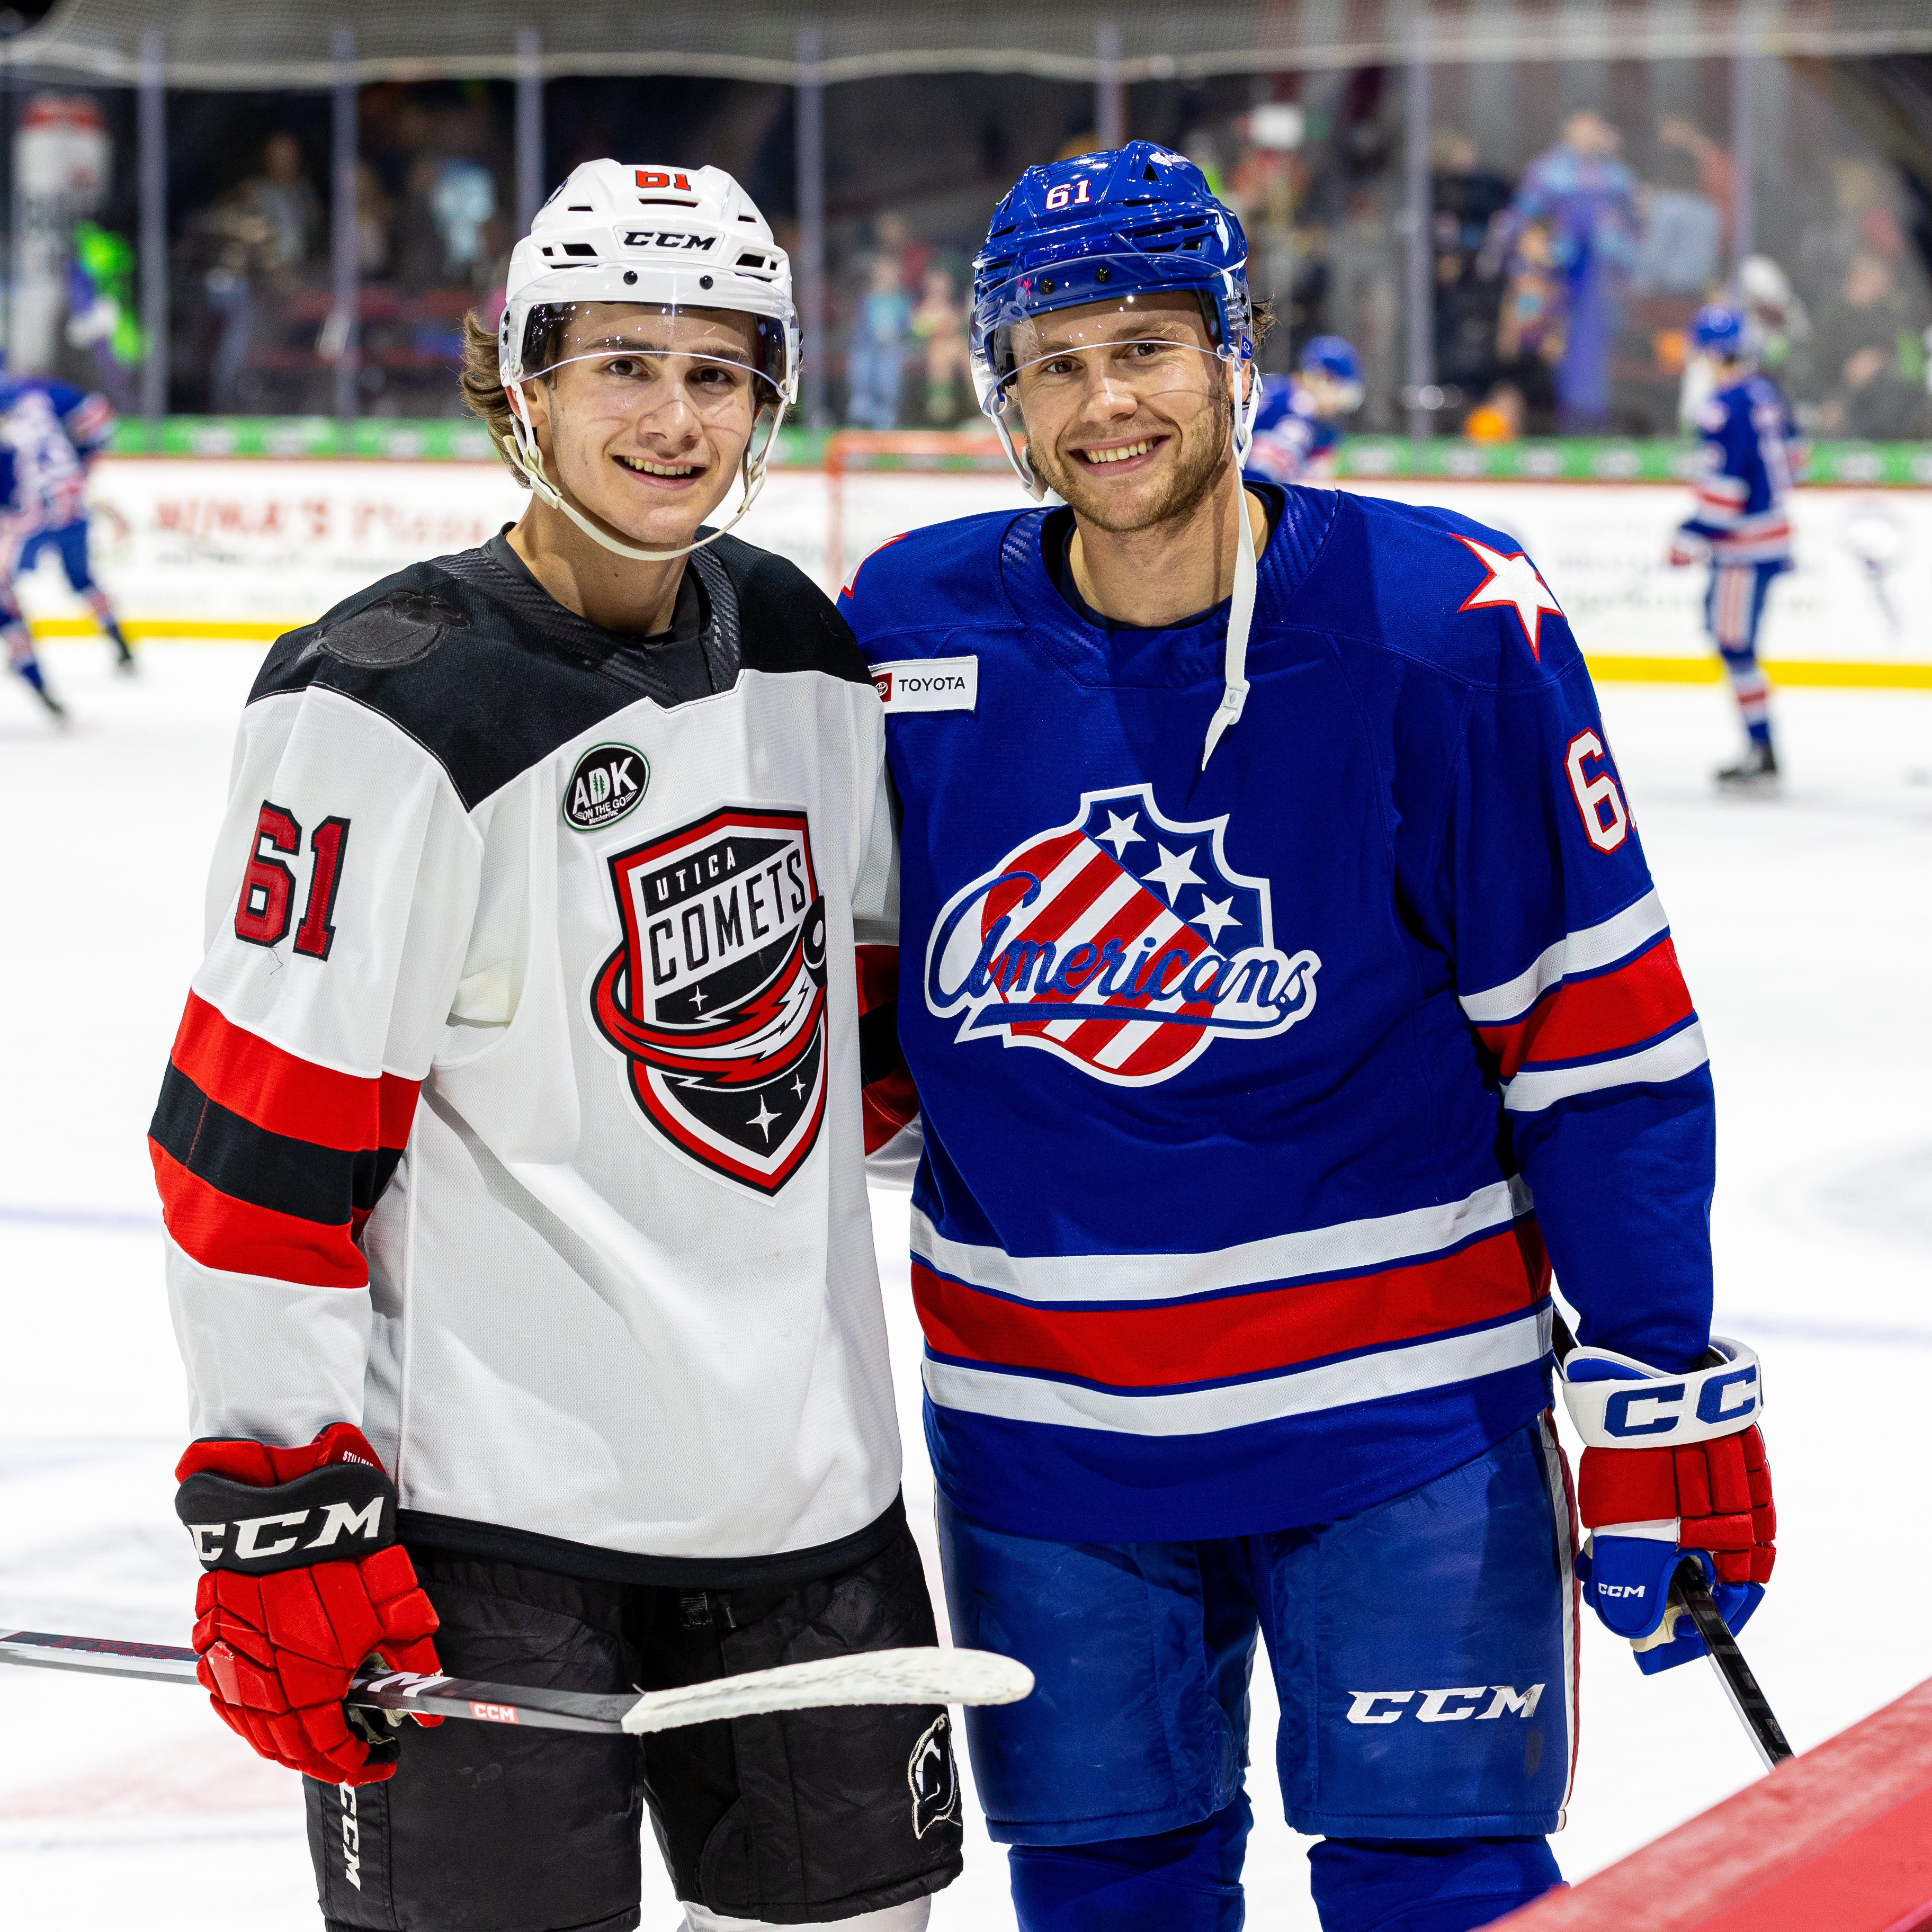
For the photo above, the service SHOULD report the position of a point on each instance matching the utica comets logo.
(716, 996)
(1123, 941)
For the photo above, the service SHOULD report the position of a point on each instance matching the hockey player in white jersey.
(510, 1151)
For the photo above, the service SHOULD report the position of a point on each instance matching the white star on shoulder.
(1176, 869)
(1512, 580)
(1214, 915)
(1119, 832)
(762, 1119)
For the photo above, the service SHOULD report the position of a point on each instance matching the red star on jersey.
(1512, 580)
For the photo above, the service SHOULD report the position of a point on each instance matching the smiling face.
(1125, 406)
(644, 415)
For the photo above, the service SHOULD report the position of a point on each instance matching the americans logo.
(1122, 941)
(716, 998)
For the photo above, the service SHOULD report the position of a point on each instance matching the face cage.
(527, 454)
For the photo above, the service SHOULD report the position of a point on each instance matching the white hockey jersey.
(515, 1114)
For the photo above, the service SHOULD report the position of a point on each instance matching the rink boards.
(245, 548)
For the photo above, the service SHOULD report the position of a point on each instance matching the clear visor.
(1143, 347)
(1154, 338)
(631, 356)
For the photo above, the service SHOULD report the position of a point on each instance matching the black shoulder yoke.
(788, 623)
(442, 651)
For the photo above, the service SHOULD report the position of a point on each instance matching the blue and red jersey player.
(1285, 991)
(1742, 522)
(50, 433)
(1297, 432)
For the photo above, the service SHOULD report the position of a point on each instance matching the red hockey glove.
(1672, 1464)
(305, 1581)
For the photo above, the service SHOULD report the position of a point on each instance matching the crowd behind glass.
(1563, 276)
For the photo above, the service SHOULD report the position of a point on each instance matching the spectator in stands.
(1683, 233)
(1533, 326)
(238, 248)
(1871, 349)
(1583, 198)
(463, 200)
(372, 223)
(1467, 201)
(875, 358)
(1699, 163)
(939, 322)
(1364, 276)
(282, 196)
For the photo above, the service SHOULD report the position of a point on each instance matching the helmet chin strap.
(528, 455)
(1240, 620)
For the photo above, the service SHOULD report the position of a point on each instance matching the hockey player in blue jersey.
(1741, 523)
(50, 433)
(1282, 982)
(1297, 432)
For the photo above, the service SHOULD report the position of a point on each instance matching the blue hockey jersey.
(49, 432)
(1253, 1098)
(1291, 441)
(1750, 455)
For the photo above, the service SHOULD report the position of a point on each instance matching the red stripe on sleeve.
(1236, 1334)
(1582, 1017)
(219, 1232)
(286, 1094)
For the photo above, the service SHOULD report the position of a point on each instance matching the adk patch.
(606, 784)
(716, 996)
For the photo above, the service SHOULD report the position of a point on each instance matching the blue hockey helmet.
(1718, 329)
(1333, 355)
(1106, 227)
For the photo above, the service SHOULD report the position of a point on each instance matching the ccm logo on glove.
(343, 1511)
(1729, 1399)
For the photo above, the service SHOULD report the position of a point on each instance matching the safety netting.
(259, 43)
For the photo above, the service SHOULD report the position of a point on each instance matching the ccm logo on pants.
(1443, 1707)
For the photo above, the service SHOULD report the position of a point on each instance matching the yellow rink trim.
(1607, 667)
(213, 630)
(1611, 668)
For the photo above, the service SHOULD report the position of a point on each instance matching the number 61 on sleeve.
(1606, 816)
(269, 886)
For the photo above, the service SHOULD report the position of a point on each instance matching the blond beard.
(1194, 479)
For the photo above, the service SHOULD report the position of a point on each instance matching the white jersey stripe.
(1671, 1059)
(1144, 1277)
(1582, 951)
(1201, 1411)
(1557, 1481)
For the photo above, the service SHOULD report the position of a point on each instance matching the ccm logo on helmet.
(662, 177)
(657, 237)
(1657, 1408)
(1443, 1707)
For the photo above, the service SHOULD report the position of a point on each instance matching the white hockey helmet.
(661, 238)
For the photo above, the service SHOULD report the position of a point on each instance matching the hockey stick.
(1753, 1709)
(925, 1676)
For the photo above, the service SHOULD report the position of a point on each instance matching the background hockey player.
(510, 1151)
(1281, 977)
(50, 433)
(1297, 432)
(1741, 523)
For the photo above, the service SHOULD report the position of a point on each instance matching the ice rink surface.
(1805, 926)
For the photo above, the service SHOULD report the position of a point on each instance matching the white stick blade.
(922, 1676)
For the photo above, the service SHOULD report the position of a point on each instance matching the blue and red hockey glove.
(305, 1581)
(1673, 1465)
